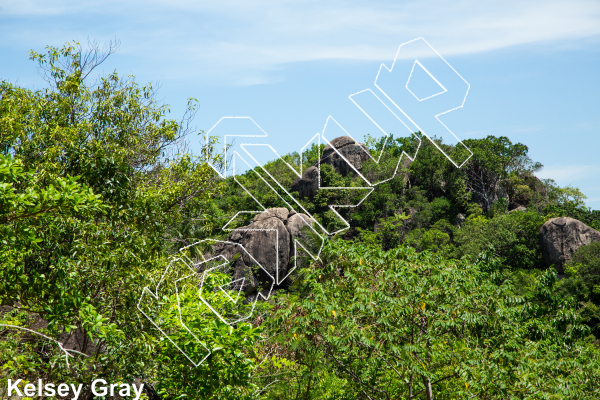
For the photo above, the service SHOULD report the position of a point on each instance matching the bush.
(583, 283)
(399, 323)
(514, 237)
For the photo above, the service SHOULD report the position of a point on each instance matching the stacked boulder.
(339, 153)
(264, 248)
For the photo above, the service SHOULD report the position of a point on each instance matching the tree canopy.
(436, 291)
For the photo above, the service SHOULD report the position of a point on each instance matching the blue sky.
(533, 66)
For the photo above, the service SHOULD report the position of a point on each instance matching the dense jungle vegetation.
(437, 290)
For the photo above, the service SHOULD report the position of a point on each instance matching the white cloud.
(505, 130)
(567, 174)
(36, 7)
(250, 39)
(590, 124)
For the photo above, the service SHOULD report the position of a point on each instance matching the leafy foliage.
(96, 185)
(583, 283)
(437, 291)
(400, 324)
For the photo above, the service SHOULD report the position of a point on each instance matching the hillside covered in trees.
(440, 283)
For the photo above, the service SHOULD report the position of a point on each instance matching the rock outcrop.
(267, 242)
(308, 184)
(355, 153)
(561, 237)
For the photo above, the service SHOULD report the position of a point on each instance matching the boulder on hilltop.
(561, 237)
(342, 153)
(267, 242)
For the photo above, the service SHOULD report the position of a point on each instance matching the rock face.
(268, 242)
(355, 153)
(561, 237)
(308, 184)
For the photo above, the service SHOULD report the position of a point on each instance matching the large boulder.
(267, 242)
(561, 237)
(295, 223)
(352, 152)
(308, 184)
(355, 153)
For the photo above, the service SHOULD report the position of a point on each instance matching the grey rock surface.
(295, 223)
(561, 237)
(308, 184)
(268, 242)
(349, 153)
(355, 153)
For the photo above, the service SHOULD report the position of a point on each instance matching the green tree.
(497, 165)
(98, 190)
(583, 283)
(224, 353)
(514, 237)
(399, 324)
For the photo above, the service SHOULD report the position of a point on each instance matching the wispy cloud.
(590, 124)
(505, 130)
(567, 174)
(247, 40)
